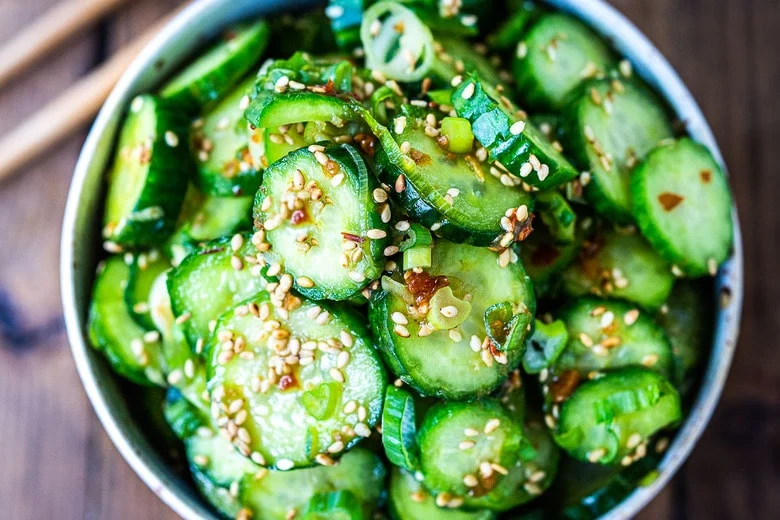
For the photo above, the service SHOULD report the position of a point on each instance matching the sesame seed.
(284, 464)
(517, 128)
(362, 430)
(466, 445)
(455, 335)
(336, 374)
(402, 225)
(183, 318)
(485, 469)
(626, 69)
(537, 476)
(650, 360)
(402, 331)
(532, 488)
(470, 432)
(468, 92)
(305, 282)
(596, 455)
(399, 318)
(356, 276)
(400, 184)
(634, 440)
(662, 445)
(450, 311)
(607, 319)
(586, 340)
(475, 343)
(380, 195)
(543, 172)
(470, 481)
(492, 425)
(522, 50)
(376, 234)
(712, 266)
(499, 468)
(631, 316)
(171, 139)
(343, 359)
(236, 263)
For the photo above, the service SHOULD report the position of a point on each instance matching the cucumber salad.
(420, 260)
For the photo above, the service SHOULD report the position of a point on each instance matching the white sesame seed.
(466, 445)
(596, 455)
(450, 311)
(626, 69)
(336, 374)
(544, 172)
(399, 318)
(362, 430)
(284, 464)
(470, 481)
(376, 234)
(633, 440)
(305, 282)
(712, 266)
(607, 319)
(585, 339)
(522, 50)
(402, 331)
(517, 128)
(470, 432)
(236, 242)
(631, 316)
(475, 343)
(468, 92)
(650, 360)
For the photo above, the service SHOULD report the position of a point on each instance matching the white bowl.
(198, 23)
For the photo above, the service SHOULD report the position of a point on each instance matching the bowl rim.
(602, 17)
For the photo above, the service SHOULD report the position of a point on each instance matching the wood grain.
(58, 463)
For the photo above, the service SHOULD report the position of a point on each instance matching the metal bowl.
(201, 21)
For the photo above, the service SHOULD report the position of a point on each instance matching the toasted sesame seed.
(284, 464)
(537, 476)
(356, 276)
(522, 50)
(236, 263)
(517, 128)
(475, 343)
(336, 374)
(712, 266)
(607, 319)
(305, 282)
(532, 488)
(596, 455)
(343, 359)
(485, 469)
(183, 318)
(585, 339)
(650, 360)
(470, 481)
(350, 407)
(399, 318)
(626, 69)
(492, 425)
(376, 234)
(400, 184)
(362, 430)
(499, 468)
(470, 432)
(633, 440)
(631, 316)
(543, 172)
(466, 445)
(662, 445)
(401, 331)
(468, 92)
(450, 311)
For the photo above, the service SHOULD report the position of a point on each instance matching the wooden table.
(57, 462)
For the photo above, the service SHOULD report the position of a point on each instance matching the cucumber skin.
(215, 83)
(139, 276)
(165, 184)
(642, 212)
(491, 126)
(357, 171)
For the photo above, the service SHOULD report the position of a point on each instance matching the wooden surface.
(56, 461)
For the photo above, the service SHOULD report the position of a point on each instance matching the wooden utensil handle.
(49, 31)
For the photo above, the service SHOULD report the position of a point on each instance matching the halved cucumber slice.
(516, 146)
(215, 72)
(409, 500)
(607, 335)
(319, 213)
(609, 127)
(686, 318)
(557, 214)
(227, 506)
(399, 429)
(620, 264)
(302, 382)
(272, 109)
(432, 329)
(182, 416)
(212, 280)
(274, 495)
(682, 204)
(530, 476)
(556, 55)
(611, 419)
(453, 194)
(113, 330)
(144, 270)
(467, 450)
(148, 179)
(220, 146)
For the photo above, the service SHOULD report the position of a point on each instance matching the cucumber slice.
(397, 44)
(320, 215)
(399, 429)
(609, 127)
(508, 34)
(148, 179)
(467, 450)
(607, 335)
(336, 505)
(682, 204)
(451, 362)
(144, 270)
(274, 495)
(113, 331)
(556, 55)
(220, 146)
(281, 141)
(272, 110)
(530, 476)
(409, 500)
(559, 217)
(620, 264)
(308, 362)
(687, 319)
(511, 141)
(212, 280)
(452, 194)
(216, 71)
(611, 419)
(227, 505)
(182, 416)
(345, 19)
(213, 456)
(455, 56)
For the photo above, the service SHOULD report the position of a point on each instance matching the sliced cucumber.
(511, 141)
(182, 416)
(545, 346)
(219, 497)
(272, 110)
(212, 280)
(606, 335)
(556, 55)
(345, 18)
(220, 146)
(454, 194)
(687, 320)
(557, 214)
(399, 429)
(609, 127)
(467, 450)
(212, 455)
(113, 331)
(281, 141)
(215, 72)
(319, 213)
(613, 417)
(682, 204)
(409, 500)
(148, 179)
(544, 258)
(144, 270)
(451, 356)
(620, 264)
(336, 505)
(530, 476)
(455, 56)
(310, 363)
(510, 32)
(275, 494)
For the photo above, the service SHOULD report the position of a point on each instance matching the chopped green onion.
(458, 132)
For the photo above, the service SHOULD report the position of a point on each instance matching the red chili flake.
(545, 255)
(419, 158)
(351, 237)
(298, 216)
(426, 85)
(669, 200)
(423, 286)
(212, 251)
(332, 168)
(287, 381)
(526, 228)
(706, 176)
(564, 385)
